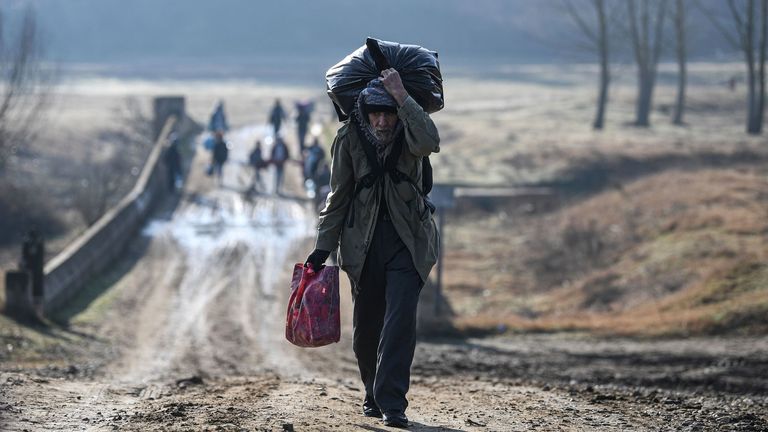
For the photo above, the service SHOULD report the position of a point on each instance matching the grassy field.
(650, 231)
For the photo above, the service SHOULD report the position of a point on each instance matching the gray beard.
(382, 143)
(382, 147)
(384, 137)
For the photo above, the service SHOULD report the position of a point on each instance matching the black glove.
(317, 258)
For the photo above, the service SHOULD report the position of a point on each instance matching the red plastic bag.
(313, 317)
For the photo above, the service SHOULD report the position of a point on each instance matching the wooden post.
(18, 295)
(164, 107)
(438, 288)
(443, 199)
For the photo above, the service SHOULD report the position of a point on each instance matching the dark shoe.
(371, 411)
(396, 419)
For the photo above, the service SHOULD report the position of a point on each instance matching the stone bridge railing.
(93, 251)
(98, 246)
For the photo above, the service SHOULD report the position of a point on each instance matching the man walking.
(257, 162)
(385, 234)
(172, 160)
(303, 116)
(218, 121)
(276, 116)
(219, 156)
(314, 157)
(278, 158)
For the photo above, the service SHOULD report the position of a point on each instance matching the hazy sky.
(467, 32)
(108, 30)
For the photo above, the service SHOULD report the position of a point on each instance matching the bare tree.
(758, 117)
(134, 123)
(24, 86)
(746, 19)
(101, 185)
(596, 32)
(647, 45)
(681, 51)
(132, 134)
(105, 179)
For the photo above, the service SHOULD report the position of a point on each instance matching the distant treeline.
(647, 29)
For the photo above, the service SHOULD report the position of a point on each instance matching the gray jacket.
(412, 220)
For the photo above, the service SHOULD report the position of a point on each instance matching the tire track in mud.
(225, 313)
(199, 329)
(206, 300)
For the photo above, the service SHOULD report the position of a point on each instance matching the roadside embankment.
(92, 252)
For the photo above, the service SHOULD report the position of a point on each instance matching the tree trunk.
(749, 53)
(646, 55)
(744, 40)
(603, 97)
(681, 62)
(761, 74)
(640, 60)
(604, 68)
(644, 98)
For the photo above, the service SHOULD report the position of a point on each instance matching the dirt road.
(193, 340)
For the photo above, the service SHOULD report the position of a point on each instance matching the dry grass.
(649, 221)
(645, 217)
(676, 252)
(499, 131)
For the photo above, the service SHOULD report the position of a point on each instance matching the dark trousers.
(171, 180)
(279, 176)
(385, 318)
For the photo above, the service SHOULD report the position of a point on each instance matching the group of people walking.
(316, 171)
(278, 157)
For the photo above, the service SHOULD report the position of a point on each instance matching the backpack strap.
(426, 175)
(390, 167)
(369, 179)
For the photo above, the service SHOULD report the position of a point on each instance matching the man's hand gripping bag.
(313, 317)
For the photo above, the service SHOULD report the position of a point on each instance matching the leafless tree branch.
(581, 23)
(25, 86)
(634, 32)
(739, 20)
(712, 17)
(659, 33)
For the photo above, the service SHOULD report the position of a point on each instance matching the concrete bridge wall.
(98, 246)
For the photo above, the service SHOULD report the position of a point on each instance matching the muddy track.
(194, 341)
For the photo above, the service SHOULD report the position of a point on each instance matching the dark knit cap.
(375, 98)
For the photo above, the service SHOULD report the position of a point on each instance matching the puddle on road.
(209, 224)
(269, 228)
(236, 255)
(224, 218)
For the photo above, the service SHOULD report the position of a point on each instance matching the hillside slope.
(675, 252)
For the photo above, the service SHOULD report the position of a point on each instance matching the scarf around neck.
(382, 148)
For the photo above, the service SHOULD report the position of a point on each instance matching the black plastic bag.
(419, 69)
